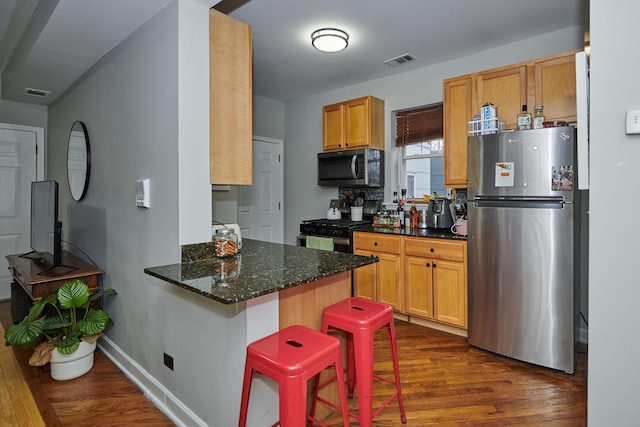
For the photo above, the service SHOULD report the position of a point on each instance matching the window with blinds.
(419, 125)
(419, 134)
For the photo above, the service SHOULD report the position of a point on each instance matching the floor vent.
(400, 60)
(38, 93)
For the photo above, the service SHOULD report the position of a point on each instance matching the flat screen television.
(46, 230)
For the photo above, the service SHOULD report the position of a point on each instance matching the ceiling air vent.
(400, 60)
(38, 93)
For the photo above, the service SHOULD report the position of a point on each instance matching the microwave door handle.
(354, 163)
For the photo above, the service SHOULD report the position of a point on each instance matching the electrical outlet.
(168, 361)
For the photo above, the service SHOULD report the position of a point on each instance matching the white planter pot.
(68, 366)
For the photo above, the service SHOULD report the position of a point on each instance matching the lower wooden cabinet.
(381, 281)
(436, 290)
(421, 277)
(436, 279)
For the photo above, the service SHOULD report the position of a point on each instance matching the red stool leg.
(396, 369)
(246, 390)
(293, 402)
(351, 365)
(341, 390)
(363, 353)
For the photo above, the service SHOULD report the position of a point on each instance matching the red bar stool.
(360, 318)
(291, 357)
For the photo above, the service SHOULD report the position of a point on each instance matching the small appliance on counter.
(438, 213)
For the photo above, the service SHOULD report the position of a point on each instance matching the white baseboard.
(152, 389)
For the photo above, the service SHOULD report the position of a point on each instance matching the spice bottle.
(538, 117)
(524, 119)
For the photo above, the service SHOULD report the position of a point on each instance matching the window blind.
(419, 125)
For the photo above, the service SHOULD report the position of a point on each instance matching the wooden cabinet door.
(230, 100)
(506, 88)
(555, 87)
(365, 279)
(356, 123)
(458, 111)
(450, 292)
(333, 130)
(390, 280)
(419, 287)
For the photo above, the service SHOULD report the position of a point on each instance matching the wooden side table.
(36, 278)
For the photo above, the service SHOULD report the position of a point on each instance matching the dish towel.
(324, 243)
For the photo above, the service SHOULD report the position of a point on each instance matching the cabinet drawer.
(376, 242)
(435, 248)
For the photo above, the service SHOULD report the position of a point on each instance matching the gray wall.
(19, 113)
(614, 350)
(147, 117)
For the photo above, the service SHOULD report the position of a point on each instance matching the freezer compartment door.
(538, 163)
(521, 283)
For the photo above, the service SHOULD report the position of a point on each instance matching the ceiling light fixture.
(329, 39)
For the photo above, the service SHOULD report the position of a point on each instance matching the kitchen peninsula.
(259, 268)
(265, 287)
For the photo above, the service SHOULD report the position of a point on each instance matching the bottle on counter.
(538, 117)
(413, 213)
(400, 213)
(524, 119)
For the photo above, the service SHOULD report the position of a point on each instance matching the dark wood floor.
(102, 397)
(445, 382)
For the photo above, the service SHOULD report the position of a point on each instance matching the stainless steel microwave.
(361, 167)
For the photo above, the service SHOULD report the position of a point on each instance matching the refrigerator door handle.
(518, 204)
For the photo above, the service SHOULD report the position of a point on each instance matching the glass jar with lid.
(225, 242)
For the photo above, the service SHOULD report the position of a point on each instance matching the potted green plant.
(66, 339)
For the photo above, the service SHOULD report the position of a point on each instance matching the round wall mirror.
(78, 161)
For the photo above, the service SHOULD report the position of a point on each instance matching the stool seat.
(291, 357)
(360, 318)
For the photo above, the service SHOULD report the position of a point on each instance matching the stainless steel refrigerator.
(523, 245)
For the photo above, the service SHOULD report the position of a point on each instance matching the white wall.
(147, 117)
(303, 117)
(614, 350)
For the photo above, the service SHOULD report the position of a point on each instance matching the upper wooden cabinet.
(459, 95)
(507, 89)
(230, 100)
(555, 87)
(358, 123)
(549, 81)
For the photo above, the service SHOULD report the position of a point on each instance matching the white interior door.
(20, 164)
(260, 215)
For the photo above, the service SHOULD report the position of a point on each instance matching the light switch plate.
(142, 193)
(633, 122)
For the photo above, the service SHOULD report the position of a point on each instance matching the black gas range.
(332, 227)
(340, 230)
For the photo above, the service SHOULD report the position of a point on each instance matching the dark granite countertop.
(444, 233)
(258, 269)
